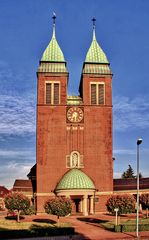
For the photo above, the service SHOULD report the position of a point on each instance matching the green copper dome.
(75, 179)
(95, 54)
(53, 53)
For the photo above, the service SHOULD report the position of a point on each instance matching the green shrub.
(17, 202)
(144, 200)
(128, 228)
(28, 211)
(144, 227)
(132, 227)
(117, 228)
(59, 206)
(125, 203)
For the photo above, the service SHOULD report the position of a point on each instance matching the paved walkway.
(89, 228)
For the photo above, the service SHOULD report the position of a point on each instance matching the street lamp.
(139, 141)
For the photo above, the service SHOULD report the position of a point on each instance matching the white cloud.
(18, 154)
(130, 151)
(131, 113)
(12, 170)
(17, 115)
(16, 164)
(117, 174)
(125, 151)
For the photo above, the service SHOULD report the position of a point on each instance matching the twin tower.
(74, 133)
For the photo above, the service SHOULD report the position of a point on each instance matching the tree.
(125, 203)
(17, 202)
(129, 173)
(59, 206)
(144, 200)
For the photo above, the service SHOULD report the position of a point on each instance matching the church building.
(74, 133)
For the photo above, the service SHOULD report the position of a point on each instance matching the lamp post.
(116, 215)
(139, 141)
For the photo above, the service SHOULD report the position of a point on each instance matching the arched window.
(74, 160)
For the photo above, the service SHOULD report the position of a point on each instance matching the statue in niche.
(74, 160)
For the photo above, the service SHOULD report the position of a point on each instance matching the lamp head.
(139, 141)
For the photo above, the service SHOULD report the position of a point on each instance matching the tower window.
(52, 93)
(97, 93)
(100, 94)
(48, 93)
(56, 93)
(93, 94)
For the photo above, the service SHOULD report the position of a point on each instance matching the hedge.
(117, 228)
(130, 227)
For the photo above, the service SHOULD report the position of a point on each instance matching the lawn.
(37, 227)
(12, 224)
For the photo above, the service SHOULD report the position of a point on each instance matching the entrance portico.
(81, 190)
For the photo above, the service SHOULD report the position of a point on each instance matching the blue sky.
(123, 33)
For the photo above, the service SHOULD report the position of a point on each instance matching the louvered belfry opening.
(48, 93)
(93, 94)
(56, 93)
(97, 94)
(52, 93)
(100, 94)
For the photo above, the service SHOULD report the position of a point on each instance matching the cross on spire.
(54, 17)
(94, 20)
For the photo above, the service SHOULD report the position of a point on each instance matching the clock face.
(75, 114)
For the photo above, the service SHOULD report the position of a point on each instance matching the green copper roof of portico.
(75, 179)
(95, 54)
(53, 53)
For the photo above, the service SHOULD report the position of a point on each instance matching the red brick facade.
(56, 138)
